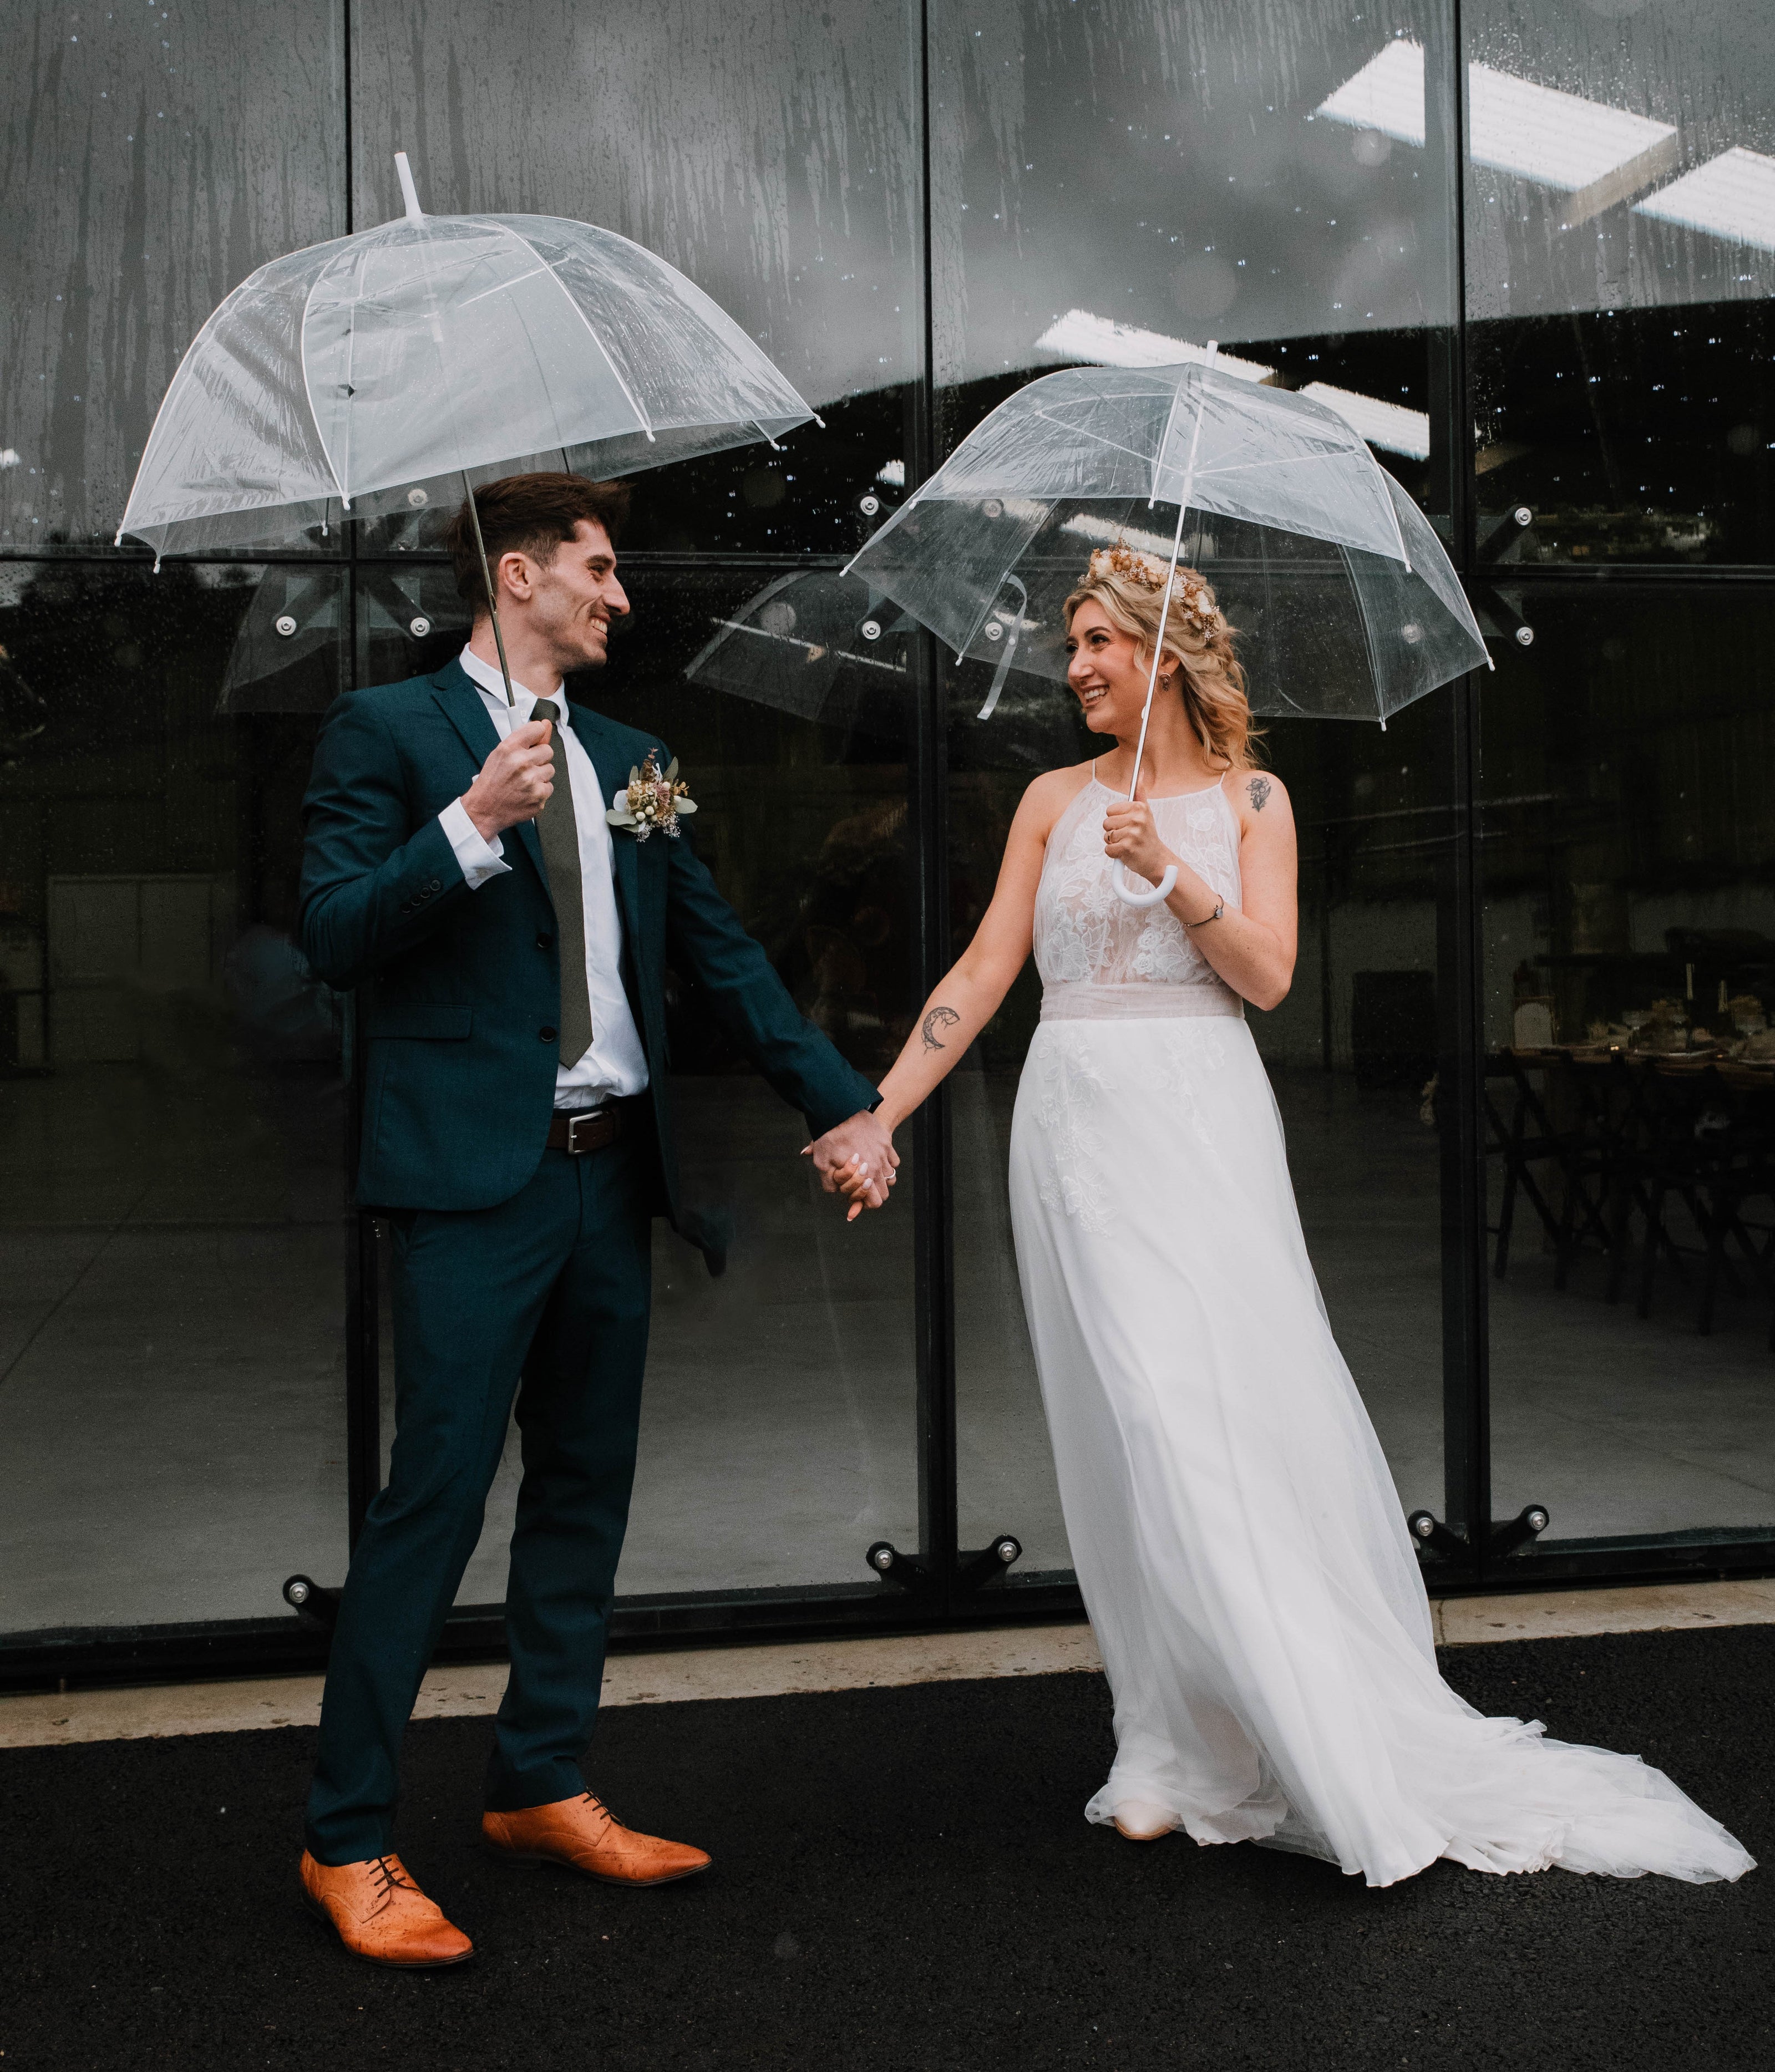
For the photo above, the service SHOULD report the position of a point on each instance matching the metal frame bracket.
(972, 1572)
(312, 1602)
(1507, 1536)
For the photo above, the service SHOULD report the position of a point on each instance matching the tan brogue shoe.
(380, 1913)
(580, 1834)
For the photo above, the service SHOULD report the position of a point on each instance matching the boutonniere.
(651, 801)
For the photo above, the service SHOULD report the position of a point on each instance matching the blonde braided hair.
(1130, 586)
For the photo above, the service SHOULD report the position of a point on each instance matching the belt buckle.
(575, 1148)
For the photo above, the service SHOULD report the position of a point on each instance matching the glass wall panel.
(778, 1424)
(771, 153)
(1629, 846)
(1120, 184)
(777, 161)
(153, 157)
(172, 1092)
(1620, 263)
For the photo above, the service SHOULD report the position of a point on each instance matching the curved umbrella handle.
(1153, 894)
(1009, 650)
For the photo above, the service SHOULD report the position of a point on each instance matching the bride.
(1235, 1530)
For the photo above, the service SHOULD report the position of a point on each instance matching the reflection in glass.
(1111, 185)
(171, 1116)
(1620, 263)
(1629, 850)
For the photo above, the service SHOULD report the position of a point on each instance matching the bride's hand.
(1130, 837)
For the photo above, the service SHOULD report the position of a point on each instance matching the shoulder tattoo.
(938, 1018)
(1257, 791)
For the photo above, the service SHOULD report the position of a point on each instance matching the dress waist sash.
(1138, 1002)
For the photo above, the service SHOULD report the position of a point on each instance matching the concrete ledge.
(778, 1670)
(1567, 1614)
(770, 1671)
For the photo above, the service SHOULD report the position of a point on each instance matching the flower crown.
(1189, 591)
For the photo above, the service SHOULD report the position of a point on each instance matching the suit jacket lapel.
(455, 691)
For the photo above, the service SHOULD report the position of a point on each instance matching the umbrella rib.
(1280, 460)
(518, 237)
(763, 633)
(1158, 461)
(788, 640)
(504, 287)
(308, 391)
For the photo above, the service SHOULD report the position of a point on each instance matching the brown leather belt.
(579, 1131)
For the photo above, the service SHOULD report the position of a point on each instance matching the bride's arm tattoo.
(1258, 790)
(939, 1018)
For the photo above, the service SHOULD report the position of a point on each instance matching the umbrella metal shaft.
(487, 579)
(1176, 546)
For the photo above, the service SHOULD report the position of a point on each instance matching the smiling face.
(1107, 671)
(570, 600)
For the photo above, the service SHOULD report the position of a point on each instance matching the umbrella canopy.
(370, 373)
(1346, 602)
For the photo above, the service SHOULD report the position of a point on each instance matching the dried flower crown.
(1189, 591)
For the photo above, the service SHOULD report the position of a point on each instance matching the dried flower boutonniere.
(651, 801)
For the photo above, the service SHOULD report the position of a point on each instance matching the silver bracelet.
(1220, 908)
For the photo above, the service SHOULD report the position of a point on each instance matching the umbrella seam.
(518, 236)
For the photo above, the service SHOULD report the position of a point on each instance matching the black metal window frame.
(941, 1584)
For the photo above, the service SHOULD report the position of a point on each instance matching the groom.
(508, 948)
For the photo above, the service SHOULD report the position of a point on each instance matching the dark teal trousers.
(545, 1295)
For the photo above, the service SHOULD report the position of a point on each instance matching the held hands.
(515, 781)
(858, 1160)
(1130, 837)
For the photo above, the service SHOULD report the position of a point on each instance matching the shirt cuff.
(479, 859)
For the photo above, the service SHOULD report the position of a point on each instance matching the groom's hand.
(858, 1159)
(515, 781)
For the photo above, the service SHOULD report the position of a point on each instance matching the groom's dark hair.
(528, 514)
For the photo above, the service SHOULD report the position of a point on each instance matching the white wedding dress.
(1241, 1550)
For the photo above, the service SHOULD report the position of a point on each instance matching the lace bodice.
(1100, 958)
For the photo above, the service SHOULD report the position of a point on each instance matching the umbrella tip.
(410, 194)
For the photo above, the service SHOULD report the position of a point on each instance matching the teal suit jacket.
(455, 988)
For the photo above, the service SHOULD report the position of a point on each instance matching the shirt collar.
(488, 681)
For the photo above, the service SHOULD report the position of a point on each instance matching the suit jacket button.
(434, 886)
(545, 941)
(546, 1034)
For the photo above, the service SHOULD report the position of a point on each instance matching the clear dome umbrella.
(1346, 602)
(379, 372)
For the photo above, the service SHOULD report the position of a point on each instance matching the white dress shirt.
(616, 1065)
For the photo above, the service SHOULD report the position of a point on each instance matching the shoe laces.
(598, 1806)
(390, 1874)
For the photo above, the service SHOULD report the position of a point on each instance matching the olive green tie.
(560, 832)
